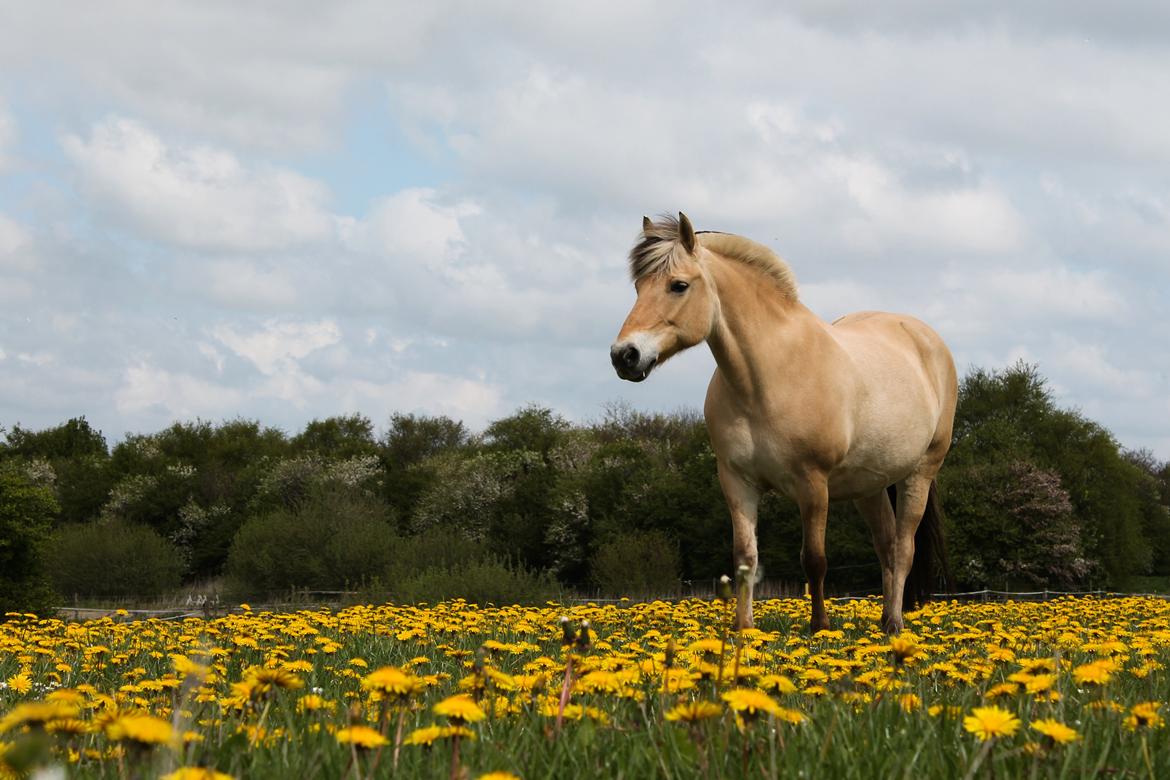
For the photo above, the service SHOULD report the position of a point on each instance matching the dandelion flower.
(1056, 731)
(694, 711)
(392, 681)
(361, 736)
(36, 713)
(141, 729)
(990, 722)
(21, 683)
(1095, 673)
(1145, 715)
(263, 679)
(460, 708)
(750, 703)
(196, 773)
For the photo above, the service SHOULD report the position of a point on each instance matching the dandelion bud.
(583, 637)
(723, 592)
(671, 650)
(569, 634)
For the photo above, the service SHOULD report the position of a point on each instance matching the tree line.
(1036, 496)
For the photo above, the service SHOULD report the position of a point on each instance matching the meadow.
(1073, 687)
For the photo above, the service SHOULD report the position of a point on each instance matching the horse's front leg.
(743, 501)
(813, 499)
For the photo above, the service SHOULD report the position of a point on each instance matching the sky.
(284, 211)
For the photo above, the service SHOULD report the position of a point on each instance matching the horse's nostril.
(630, 356)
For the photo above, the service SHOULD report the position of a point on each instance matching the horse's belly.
(869, 469)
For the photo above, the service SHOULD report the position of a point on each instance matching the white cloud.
(278, 345)
(15, 246)
(411, 224)
(7, 135)
(1089, 364)
(255, 76)
(1052, 291)
(197, 195)
(473, 400)
(243, 283)
(149, 389)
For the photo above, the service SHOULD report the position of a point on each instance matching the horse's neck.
(756, 331)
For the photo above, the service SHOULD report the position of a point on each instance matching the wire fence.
(689, 590)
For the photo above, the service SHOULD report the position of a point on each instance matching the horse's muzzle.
(630, 363)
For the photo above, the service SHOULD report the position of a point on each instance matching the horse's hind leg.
(913, 493)
(743, 501)
(879, 516)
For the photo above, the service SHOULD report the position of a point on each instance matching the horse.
(860, 409)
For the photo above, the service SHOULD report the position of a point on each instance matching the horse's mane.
(661, 251)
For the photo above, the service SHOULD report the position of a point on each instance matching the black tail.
(930, 556)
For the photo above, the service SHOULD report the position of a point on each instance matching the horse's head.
(676, 304)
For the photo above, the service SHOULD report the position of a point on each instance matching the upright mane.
(661, 251)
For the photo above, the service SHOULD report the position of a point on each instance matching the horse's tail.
(930, 556)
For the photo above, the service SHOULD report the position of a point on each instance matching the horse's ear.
(647, 225)
(686, 232)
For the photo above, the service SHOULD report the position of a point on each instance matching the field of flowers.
(1066, 688)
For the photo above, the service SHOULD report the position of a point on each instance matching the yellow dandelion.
(1055, 731)
(141, 729)
(1145, 715)
(196, 773)
(37, 713)
(990, 722)
(499, 776)
(1040, 683)
(428, 735)
(392, 681)
(693, 711)
(363, 737)
(776, 683)
(904, 648)
(263, 679)
(460, 708)
(21, 683)
(1095, 673)
(750, 703)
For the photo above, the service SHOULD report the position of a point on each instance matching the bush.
(637, 563)
(337, 536)
(487, 581)
(116, 559)
(26, 515)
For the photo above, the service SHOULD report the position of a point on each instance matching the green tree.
(337, 437)
(26, 517)
(407, 449)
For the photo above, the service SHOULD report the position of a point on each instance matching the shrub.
(115, 559)
(336, 536)
(637, 563)
(487, 581)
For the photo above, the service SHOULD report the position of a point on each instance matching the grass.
(866, 707)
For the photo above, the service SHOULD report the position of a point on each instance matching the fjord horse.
(817, 411)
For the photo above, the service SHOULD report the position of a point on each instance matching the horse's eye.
(678, 286)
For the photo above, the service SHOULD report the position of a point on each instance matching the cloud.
(15, 246)
(196, 195)
(277, 345)
(7, 136)
(146, 388)
(258, 77)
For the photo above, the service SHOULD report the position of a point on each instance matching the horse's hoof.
(893, 626)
